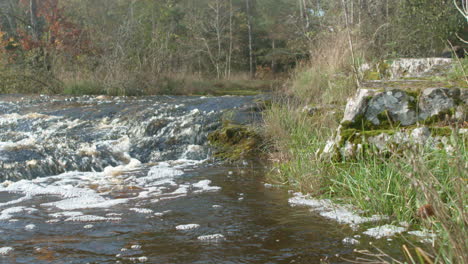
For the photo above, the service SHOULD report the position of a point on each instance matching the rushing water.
(129, 180)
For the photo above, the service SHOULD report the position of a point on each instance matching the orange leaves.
(58, 33)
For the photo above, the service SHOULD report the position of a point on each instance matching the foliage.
(131, 47)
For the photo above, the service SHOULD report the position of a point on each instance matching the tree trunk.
(33, 20)
(231, 13)
(249, 27)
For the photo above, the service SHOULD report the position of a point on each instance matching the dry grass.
(328, 76)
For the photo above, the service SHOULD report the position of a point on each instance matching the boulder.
(357, 105)
(436, 101)
(405, 68)
(388, 119)
(418, 67)
(395, 104)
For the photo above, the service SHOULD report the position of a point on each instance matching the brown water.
(127, 211)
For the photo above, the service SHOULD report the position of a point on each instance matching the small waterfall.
(43, 136)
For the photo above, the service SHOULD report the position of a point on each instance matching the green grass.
(395, 185)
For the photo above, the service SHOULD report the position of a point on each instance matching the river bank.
(401, 180)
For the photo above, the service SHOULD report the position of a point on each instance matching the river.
(130, 180)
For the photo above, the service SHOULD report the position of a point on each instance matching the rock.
(383, 118)
(464, 96)
(435, 101)
(236, 142)
(420, 135)
(396, 103)
(309, 110)
(357, 105)
(417, 67)
(455, 50)
(461, 113)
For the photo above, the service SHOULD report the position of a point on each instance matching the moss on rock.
(235, 142)
(440, 131)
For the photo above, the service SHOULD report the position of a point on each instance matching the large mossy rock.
(406, 68)
(384, 119)
(383, 109)
(236, 142)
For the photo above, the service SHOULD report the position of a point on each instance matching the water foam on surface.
(88, 197)
(187, 227)
(212, 238)
(384, 231)
(344, 214)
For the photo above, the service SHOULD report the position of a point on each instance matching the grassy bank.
(79, 82)
(396, 186)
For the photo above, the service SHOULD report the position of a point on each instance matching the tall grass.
(327, 77)
(295, 137)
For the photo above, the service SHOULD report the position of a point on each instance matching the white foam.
(143, 259)
(384, 231)
(350, 241)
(88, 226)
(113, 171)
(30, 227)
(426, 235)
(183, 189)
(162, 171)
(135, 247)
(86, 203)
(162, 213)
(142, 210)
(91, 218)
(344, 214)
(27, 143)
(204, 185)
(65, 214)
(5, 250)
(9, 213)
(213, 237)
(187, 227)
(422, 233)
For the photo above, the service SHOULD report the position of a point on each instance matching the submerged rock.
(235, 142)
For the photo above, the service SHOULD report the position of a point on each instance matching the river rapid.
(131, 180)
